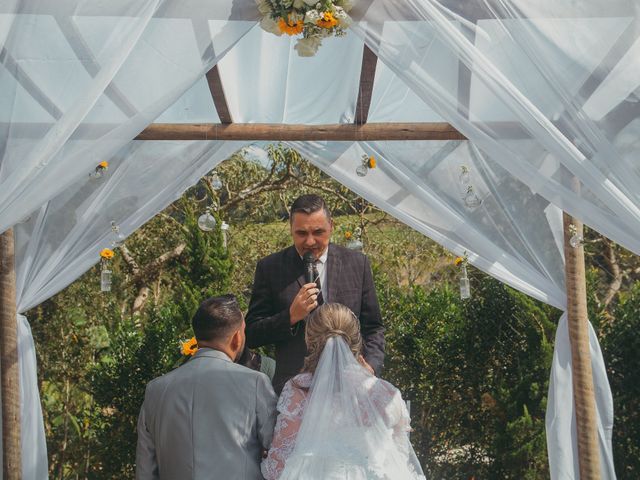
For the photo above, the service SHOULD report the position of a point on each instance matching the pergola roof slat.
(284, 132)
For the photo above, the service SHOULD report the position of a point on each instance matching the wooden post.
(10, 384)
(583, 391)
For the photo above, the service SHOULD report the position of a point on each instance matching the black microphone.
(308, 260)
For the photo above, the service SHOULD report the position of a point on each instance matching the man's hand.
(364, 363)
(304, 302)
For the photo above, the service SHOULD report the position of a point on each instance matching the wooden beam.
(244, 131)
(280, 132)
(9, 368)
(219, 98)
(367, 77)
(582, 375)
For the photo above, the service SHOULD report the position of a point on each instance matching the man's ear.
(236, 340)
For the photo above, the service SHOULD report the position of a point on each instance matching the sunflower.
(371, 162)
(190, 347)
(107, 253)
(289, 27)
(327, 20)
(348, 235)
(104, 165)
(458, 261)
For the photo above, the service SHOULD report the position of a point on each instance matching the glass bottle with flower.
(465, 287)
(106, 255)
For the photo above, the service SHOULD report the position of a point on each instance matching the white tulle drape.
(560, 415)
(526, 83)
(56, 246)
(79, 80)
(546, 92)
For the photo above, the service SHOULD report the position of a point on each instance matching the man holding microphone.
(283, 294)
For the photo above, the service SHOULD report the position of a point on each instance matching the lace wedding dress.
(341, 423)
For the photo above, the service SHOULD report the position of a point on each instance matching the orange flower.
(327, 21)
(348, 235)
(107, 253)
(190, 347)
(104, 165)
(289, 27)
(371, 163)
(458, 261)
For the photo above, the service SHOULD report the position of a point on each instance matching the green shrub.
(476, 372)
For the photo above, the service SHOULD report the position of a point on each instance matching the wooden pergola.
(359, 130)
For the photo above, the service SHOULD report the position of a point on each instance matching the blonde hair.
(330, 320)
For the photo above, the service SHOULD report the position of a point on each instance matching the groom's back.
(210, 419)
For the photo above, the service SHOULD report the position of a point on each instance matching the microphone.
(308, 260)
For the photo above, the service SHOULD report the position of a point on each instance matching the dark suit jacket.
(278, 280)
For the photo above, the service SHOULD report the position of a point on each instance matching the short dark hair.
(217, 318)
(309, 204)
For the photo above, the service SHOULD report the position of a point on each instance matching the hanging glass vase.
(354, 239)
(465, 287)
(215, 181)
(367, 163)
(206, 221)
(465, 177)
(355, 244)
(100, 170)
(471, 200)
(224, 227)
(105, 269)
(576, 239)
(117, 238)
(362, 171)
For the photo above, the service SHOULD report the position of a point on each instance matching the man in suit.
(209, 418)
(281, 299)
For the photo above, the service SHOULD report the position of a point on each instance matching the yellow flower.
(348, 235)
(104, 165)
(190, 347)
(458, 261)
(106, 253)
(289, 27)
(371, 163)
(327, 21)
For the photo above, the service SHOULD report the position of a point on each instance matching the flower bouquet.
(313, 19)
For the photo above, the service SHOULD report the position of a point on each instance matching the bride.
(336, 420)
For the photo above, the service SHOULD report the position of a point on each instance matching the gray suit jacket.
(277, 281)
(208, 419)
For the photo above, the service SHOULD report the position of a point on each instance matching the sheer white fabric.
(80, 80)
(54, 247)
(348, 424)
(560, 415)
(526, 82)
(547, 93)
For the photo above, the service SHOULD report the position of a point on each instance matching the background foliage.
(476, 372)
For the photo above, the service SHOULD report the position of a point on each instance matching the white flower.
(312, 16)
(307, 47)
(268, 24)
(344, 20)
(263, 7)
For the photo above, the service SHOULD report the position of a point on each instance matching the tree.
(476, 372)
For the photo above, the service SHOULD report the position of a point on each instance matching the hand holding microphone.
(307, 298)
